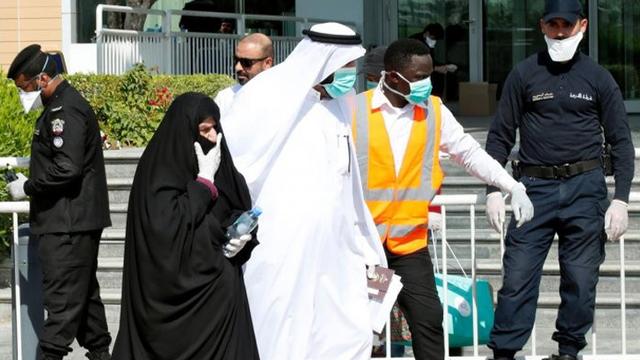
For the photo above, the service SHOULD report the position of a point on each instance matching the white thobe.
(225, 98)
(306, 282)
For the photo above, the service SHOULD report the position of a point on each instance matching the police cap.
(29, 61)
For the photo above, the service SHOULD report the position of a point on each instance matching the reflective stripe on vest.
(399, 204)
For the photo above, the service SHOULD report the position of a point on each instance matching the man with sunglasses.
(254, 54)
(69, 205)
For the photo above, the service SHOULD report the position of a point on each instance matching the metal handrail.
(14, 208)
(472, 201)
(179, 52)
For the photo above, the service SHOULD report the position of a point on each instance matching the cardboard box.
(477, 99)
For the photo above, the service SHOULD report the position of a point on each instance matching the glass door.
(452, 45)
(618, 24)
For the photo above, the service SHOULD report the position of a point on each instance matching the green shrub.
(16, 129)
(130, 107)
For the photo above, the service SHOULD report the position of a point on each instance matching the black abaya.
(181, 298)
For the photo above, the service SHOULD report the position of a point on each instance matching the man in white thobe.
(306, 281)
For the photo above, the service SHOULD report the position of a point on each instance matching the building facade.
(484, 38)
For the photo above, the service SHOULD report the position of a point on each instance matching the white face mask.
(31, 100)
(563, 50)
(430, 42)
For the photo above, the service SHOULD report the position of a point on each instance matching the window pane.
(86, 20)
(276, 7)
(619, 43)
(453, 48)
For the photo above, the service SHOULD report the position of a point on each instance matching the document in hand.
(383, 292)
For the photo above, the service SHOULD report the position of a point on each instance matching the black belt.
(559, 171)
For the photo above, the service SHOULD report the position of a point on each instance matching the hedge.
(129, 108)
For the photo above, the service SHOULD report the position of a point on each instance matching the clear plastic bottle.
(244, 224)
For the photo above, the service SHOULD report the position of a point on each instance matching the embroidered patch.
(585, 97)
(57, 127)
(542, 96)
(58, 142)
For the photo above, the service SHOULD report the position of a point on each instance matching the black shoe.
(561, 357)
(98, 355)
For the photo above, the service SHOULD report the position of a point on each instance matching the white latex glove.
(520, 204)
(451, 68)
(233, 247)
(495, 210)
(435, 221)
(16, 187)
(208, 164)
(616, 219)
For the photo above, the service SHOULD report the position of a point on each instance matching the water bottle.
(10, 175)
(244, 224)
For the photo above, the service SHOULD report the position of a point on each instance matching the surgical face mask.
(430, 42)
(563, 50)
(419, 90)
(343, 81)
(371, 84)
(31, 100)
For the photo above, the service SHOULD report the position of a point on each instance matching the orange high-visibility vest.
(399, 204)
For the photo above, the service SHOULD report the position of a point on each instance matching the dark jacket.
(67, 183)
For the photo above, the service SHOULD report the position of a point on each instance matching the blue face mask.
(343, 81)
(371, 84)
(419, 90)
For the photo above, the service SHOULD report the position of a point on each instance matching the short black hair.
(400, 52)
(435, 29)
(32, 61)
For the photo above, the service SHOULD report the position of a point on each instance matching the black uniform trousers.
(420, 303)
(574, 209)
(71, 293)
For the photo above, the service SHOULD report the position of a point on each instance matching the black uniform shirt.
(561, 110)
(67, 181)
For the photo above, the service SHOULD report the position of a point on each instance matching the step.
(607, 325)
(122, 163)
(607, 320)
(487, 245)
(458, 216)
(119, 189)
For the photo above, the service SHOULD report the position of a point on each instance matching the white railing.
(471, 201)
(15, 208)
(173, 52)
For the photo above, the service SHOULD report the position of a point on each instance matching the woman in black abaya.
(181, 297)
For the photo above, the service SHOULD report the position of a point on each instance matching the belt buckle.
(561, 171)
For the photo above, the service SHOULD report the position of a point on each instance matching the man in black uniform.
(565, 106)
(69, 205)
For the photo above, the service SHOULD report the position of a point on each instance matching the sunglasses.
(246, 63)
